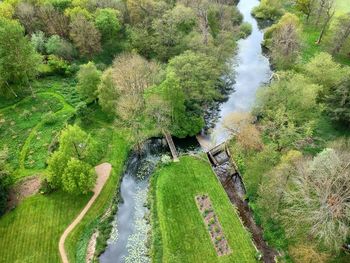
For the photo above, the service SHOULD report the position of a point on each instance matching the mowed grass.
(117, 153)
(30, 233)
(179, 232)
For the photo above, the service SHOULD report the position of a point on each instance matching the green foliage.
(60, 47)
(170, 31)
(58, 65)
(88, 80)
(288, 109)
(5, 179)
(246, 29)
(268, 9)
(78, 177)
(38, 40)
(107, 93)
(18, 60)
(107, 22)
(74, 144)
(6, 10)
(198, 76)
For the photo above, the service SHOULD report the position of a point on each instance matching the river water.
(251, 69)
(129, 234)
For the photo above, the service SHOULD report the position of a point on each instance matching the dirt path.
(103, 171)
(22, 189)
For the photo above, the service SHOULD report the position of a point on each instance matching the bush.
(245, 30)
(83, 112)
(58, 65)
(50, 118)
(60, 47)
(268, 9)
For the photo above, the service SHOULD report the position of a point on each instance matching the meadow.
(180, 234)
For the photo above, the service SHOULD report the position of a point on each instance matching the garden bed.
(213, 225)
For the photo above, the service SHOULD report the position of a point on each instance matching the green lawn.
(179, 231)
(30, 233)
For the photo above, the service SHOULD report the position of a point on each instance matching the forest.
(90, 82)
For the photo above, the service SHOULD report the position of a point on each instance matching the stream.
(252, 69)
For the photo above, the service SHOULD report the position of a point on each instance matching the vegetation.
(179, 183)
(303, 108)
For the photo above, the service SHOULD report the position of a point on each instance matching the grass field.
(30, 233)
(180, 233)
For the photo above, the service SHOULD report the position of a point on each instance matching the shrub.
(268, 9)
(60, 47)
(38, 40)
(246, 30)
(58, 65)
(50, 118)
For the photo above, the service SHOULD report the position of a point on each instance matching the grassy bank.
(178, 224)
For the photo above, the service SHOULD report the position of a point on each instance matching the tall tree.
(89, 78)
(341, 33)
(317, 203)
(327, 6)
(85, 36)
(306, 6)
(107, 23)
(286, 41)
(18, 59)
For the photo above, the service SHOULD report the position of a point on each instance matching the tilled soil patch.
(213, 225)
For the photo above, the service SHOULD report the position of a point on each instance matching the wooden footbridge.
(171, 144)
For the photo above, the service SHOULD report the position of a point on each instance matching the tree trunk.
(329, 17)
(341, 42)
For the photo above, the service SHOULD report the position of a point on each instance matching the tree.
(38, 40)
(126, 82)
(73, 143)
(341, 33)
(287, 109)
(26, 14)
(198, 76)
(78, 177)
(6, 10)
(18, 59)
(324, 71)
(338, 101)
(241, 126)
(85, 36)
(273, 187)
(108, 93)
(306, 6)
(317, 203)
(329, 9)
(89, 78)
(285, 41)
(182, 122)
(60, 47)
(52, 21)
(170, 31)
(106, 21)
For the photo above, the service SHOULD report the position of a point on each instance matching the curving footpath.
(103, 171)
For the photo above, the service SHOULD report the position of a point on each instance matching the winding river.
(252, 69)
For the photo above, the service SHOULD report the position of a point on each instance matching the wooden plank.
(171, 144)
